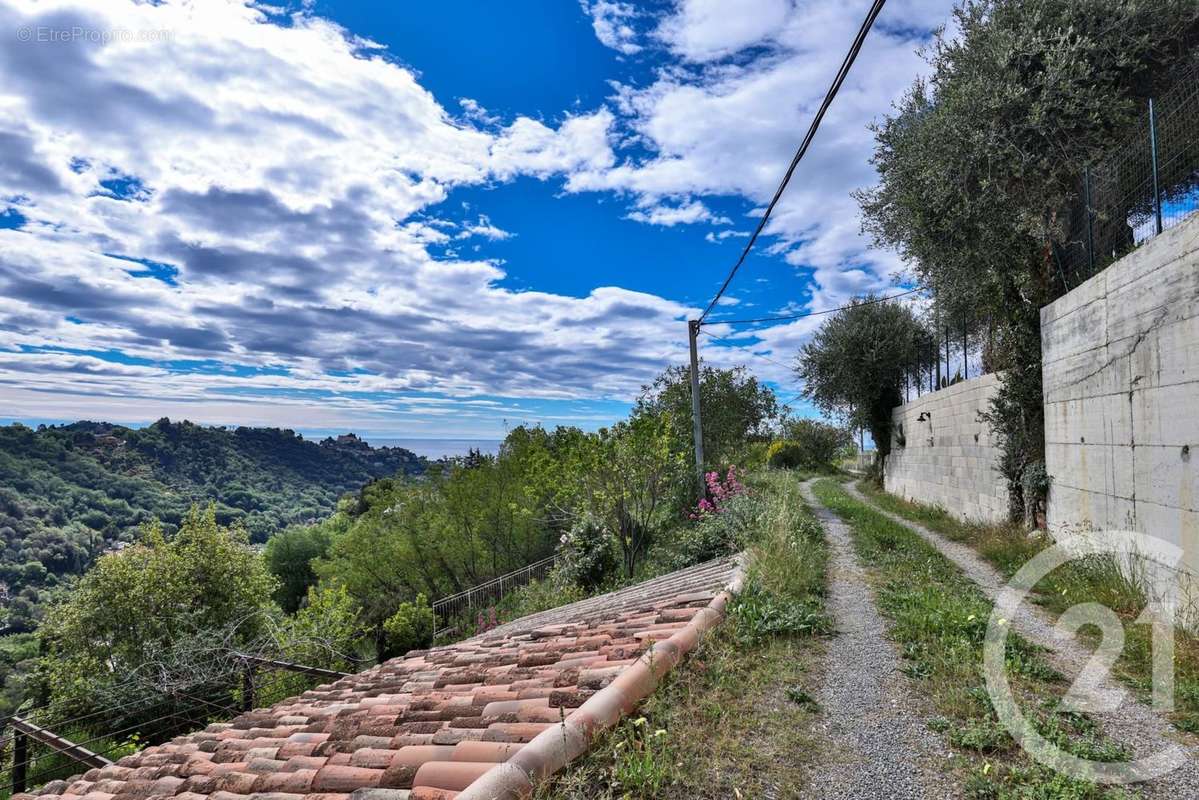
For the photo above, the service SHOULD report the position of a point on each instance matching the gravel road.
(880, 743)
(1134, 724)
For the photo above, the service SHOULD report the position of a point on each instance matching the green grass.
(1101, 580)
(1007, 547)
(939, 619)
(734, 716)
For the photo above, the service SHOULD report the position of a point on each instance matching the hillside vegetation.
(69, 493)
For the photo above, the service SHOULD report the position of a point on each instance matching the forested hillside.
(68, 493)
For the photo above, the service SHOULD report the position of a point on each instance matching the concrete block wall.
(949, 457)
(1121, 384)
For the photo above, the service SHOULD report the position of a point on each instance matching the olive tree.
(978, 162)
(854, 366)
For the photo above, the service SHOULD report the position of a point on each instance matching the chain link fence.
(1145, 185)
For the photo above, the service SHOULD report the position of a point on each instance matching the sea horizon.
(437, 447)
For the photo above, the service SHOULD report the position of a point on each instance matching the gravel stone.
(1133, 724)
(881, 744)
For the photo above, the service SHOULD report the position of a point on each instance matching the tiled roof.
(432, 723)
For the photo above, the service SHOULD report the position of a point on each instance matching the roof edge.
(554, 748)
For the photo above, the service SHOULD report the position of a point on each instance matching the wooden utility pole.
(697, 428)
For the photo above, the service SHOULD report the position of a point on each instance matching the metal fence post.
(3, 743)
(1157, 197)
(20, 760)
(965, 351)
(948, 377)
(936, 355)
(247, 686)
(1086, 184)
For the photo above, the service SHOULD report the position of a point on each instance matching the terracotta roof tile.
(430, 724)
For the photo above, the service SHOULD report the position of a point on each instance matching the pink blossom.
(719, 491)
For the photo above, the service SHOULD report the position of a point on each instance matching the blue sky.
(419, 219)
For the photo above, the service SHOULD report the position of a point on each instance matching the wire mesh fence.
(1145, 185)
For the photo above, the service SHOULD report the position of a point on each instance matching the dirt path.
(1134, 724)
(880, 743)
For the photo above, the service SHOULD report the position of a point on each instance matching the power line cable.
(846, 63)
(40, 715)
(731, 343)
(782, 317)
(757, 355)
(793, 316)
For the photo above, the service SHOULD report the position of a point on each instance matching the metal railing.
(24, 731)
(449, 609)
(1143, 186)
(48, 745)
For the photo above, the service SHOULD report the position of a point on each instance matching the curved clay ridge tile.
(555, 747)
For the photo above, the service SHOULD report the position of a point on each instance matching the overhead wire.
(66, 752)
(875, 9)
(783, 317)
(743, 348)
(39, 716)
(750, 352)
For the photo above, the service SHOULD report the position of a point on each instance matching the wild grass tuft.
(939, 618)
(1099, 579)
(731, 720)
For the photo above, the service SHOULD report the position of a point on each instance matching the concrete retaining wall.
(1121, 384)
(949, 457)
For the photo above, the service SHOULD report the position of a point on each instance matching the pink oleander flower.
(719, 490)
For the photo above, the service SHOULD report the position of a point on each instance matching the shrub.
(820, 443)
(585, 556)
(411, 626)
(1035, 483)
(716, 534)
(487, 621)
(759, 614)
(720, 492)
(784, 455)
(755, 456)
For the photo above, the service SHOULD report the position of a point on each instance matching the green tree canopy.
(819, 443)
(162, 611)
(464, 524)
(627, 475)
(289, 556)
(853, 368)
(979, 162)
(734, 406)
